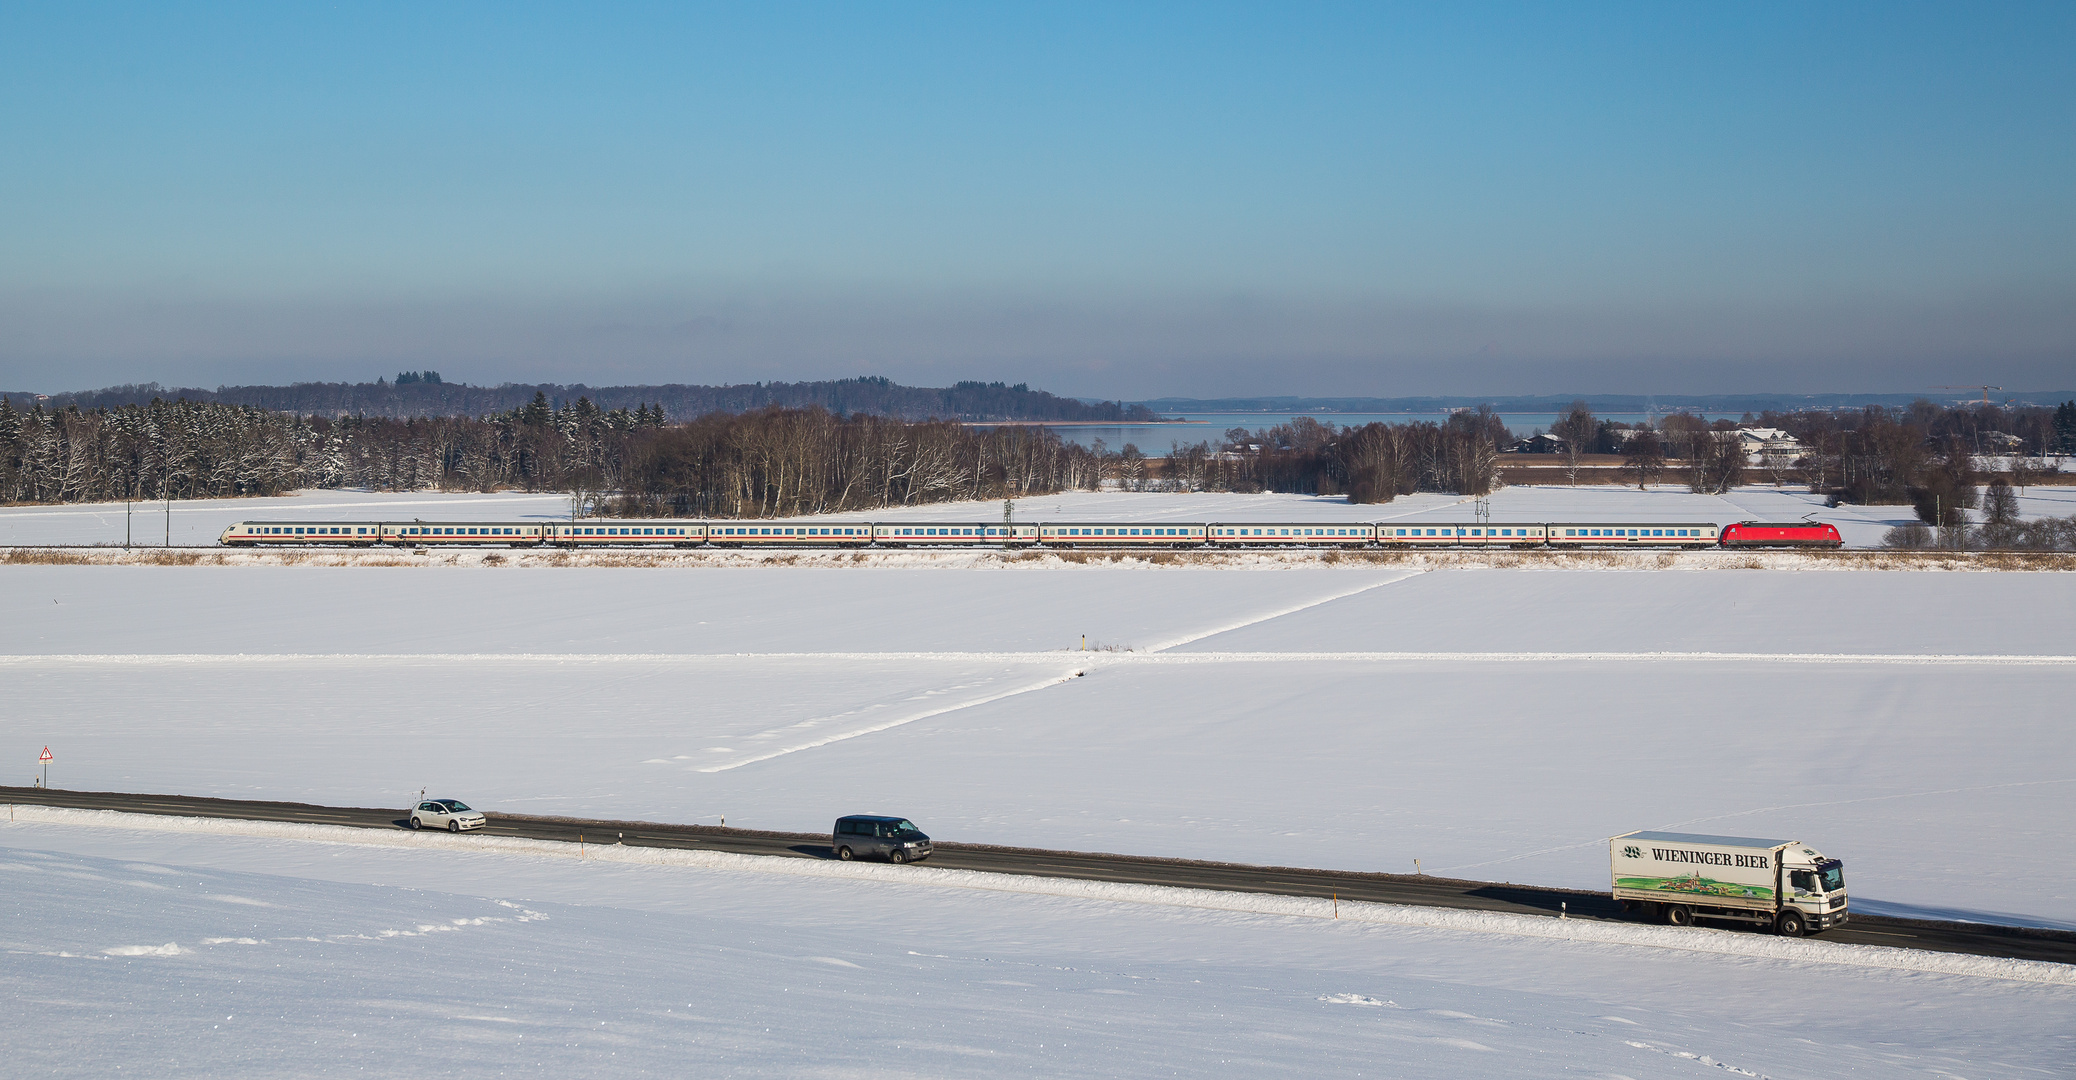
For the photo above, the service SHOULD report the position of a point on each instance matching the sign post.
(45, 762)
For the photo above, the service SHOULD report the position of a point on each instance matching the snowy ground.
(200, 522)
(1488, 723)
(235, 950)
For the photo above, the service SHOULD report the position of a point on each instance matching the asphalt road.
(1974, 938)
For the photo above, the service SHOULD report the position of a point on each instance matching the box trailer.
(1680, 877)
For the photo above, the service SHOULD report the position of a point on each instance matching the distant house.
(1999, 442)
(1537, 444)
(1766, 446)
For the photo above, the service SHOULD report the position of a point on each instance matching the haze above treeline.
(426, 394)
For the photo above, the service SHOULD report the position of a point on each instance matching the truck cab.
(1813, 888)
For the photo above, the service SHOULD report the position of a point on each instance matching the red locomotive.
(1781, 534)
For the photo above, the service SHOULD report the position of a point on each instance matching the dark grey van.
(891, 838)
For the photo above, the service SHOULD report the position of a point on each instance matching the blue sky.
(1114, 200)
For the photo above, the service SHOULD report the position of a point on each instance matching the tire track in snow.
(1225, 628)
(1056, 680)
(885, 725)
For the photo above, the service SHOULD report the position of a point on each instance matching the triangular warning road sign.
(46, 754)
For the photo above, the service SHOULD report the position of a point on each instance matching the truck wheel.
(1790, 924)
(1678, 915)
(844, 853)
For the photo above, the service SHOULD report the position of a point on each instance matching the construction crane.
(1985, 391)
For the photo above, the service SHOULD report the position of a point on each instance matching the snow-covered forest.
(775, 461)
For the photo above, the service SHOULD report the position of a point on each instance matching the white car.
(450, 814)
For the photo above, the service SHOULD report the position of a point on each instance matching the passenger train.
(1072, 534)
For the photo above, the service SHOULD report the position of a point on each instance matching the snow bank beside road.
(1687, 939)
(172, 953)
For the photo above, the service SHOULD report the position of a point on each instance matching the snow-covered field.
(200, 522)
(1489, 723)
(230, 949)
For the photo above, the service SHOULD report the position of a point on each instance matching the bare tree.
(1643, 458)
(1579, 432)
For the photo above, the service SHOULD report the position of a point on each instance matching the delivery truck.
(1680, 877)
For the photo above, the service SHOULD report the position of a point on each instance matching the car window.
(457, 807)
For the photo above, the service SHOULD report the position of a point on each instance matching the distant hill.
(423, 394)
(1600, 403)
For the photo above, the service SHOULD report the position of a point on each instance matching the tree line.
(424, 394)
(779, 461)
(772, 462)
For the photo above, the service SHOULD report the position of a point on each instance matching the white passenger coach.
(1070, 534)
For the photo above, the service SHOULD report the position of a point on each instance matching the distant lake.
(1158, 439)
